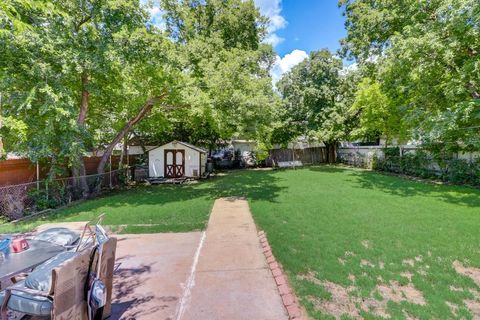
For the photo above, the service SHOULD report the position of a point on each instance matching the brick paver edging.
(290, 301)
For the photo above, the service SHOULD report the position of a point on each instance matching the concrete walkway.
(231, 279)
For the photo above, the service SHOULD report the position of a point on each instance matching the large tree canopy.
(218, 45)
(427, 61)
(76, 77)
(79, 75)
(315, 101)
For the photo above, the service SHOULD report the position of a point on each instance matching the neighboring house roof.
(188, 145)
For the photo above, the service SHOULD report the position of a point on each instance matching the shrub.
(41, 199)
(462, 171)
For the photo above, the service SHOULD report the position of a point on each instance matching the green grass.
(313, 216)
(143, 209)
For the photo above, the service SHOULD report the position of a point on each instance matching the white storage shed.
(175, 160)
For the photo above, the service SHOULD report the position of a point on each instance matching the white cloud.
(273, 39)
(272, 9)
(156, 14)
(285, 64)
(349, 68)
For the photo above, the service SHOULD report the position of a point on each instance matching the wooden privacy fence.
(316, 155)
(19, 171)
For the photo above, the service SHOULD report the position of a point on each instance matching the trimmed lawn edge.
(289, 298)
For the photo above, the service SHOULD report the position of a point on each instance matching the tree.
(313, 104)
(377, 115)
(219, 47)
(427, 57)
(76, 74)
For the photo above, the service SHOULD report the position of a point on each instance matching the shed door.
(174, 163)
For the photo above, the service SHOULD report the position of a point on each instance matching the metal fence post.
(110, 171)
(38, 177)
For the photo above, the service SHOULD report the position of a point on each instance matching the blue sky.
(298, 27)
(311, 25)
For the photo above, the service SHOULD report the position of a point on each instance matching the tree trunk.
(331, 152)
(79, 171)
(1, 141)
(123, 155)
(147, 107)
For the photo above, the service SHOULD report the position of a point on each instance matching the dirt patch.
(409, 316)
(378, 308)
(381, 265)
(474, 293)
(422, 272)
(409, 262)
(310, 277)
(366, 244)
(472, 273)
(341, 303)
(391, 292)
(455, 289)
(407, 275)
(453, 307)
(350, 254)
(474, 307)
(366, 263)
(398, 293)
(419, 258)
(341, 261)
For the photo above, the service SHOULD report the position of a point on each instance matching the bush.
(462, 171)
(418, 164)
(41, 199)
(421, 164)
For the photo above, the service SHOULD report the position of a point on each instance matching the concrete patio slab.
(218, 274)
(152, 270)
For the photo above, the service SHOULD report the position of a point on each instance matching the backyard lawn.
(353, 242)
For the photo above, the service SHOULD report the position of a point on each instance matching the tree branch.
(82, 22)
(146, 108)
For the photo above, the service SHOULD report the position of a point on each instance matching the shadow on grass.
(326, 168)
(402, 186)
(253, 185)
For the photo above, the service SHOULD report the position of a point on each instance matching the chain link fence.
(20, 200)
(415, 162)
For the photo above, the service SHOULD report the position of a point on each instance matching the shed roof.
(188, 145)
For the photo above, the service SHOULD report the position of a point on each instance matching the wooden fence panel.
(316, 155)
(19, 171)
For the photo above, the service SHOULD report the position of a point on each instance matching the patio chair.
(57, 287)
(102, 269)
(93, 233)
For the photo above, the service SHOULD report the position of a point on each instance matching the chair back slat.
(68, 284)
(105, 272)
